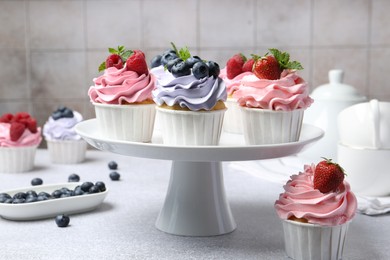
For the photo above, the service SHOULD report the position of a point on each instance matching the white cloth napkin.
(373, 205)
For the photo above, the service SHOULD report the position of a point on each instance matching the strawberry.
(328, 176)
(16, 130)
(234, 65)
(137, 63)
(114, 60)
(248, 65)
(6, 118)
(271, 66)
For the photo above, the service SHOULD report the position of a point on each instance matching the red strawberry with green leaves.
(328, 176)
(137, 63)
(234, 65)
(248, 65)
(271, 66)
(16, 131)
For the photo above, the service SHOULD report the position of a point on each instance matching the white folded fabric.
(373, 205)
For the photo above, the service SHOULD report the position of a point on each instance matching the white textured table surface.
(123, 226)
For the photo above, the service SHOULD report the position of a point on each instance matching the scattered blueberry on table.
(115, 176)
(73, 178)
(36, 181)
(112, 165)
(62, 220)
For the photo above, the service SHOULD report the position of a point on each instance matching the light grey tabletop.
(123, 226)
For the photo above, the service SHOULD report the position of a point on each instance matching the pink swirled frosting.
(287, 93)
(301, 200)
(120, 86)
(27, 138)
(232, 84)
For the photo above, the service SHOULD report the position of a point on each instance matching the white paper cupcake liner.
(126, 122)
(67, 151)
(263, 126)
(232, 122)
(308, 241)
(191, 128)
(17, 159)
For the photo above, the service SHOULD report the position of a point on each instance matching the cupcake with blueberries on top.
(64, 144)
(19, 140)
(122, 96)
(190, 96)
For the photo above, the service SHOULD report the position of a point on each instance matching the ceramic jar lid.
(336, 90)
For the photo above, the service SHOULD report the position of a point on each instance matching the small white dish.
(52, 207)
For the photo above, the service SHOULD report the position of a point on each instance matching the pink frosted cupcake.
(19, 139)
(237, 67)
(122, 97)
(315, 221)
(273, 100)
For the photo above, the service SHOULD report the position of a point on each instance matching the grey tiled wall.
(50, 49)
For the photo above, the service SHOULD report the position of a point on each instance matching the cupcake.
(122, 97)
(64, 144)
(273, 100)
(19, 139)
(190, 98)
(236, 68)
(316, 209)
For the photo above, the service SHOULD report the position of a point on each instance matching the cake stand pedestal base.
(196, 204)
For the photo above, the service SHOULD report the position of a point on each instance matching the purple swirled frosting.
(187, 91)
(63, 128)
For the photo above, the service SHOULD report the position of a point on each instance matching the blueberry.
(73, 178)
(41, 198)
(101, 185)
(181, 69)
(9, 201)
(62, 220)
(200, 70)
(56, 193)
(156, 61)
(18, 200)
(86, 186)
(31, 199)
(56, 115)
(44, 194)
(114, 176)
(112, 165)
(4, 197)
(36, 181)
(20, 195)
(171, 63)
(67, 194)
(78, 191)
(67, 113)
(31, 193)
(213, 68)
(167, 56)
(94, 189)
(192, 60)
(61, 108)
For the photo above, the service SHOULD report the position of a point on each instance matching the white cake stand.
(196, 204)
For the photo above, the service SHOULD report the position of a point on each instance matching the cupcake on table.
(19, 139)
(237, 67)
(190, 96)
(65, 146)
(273, 100)
(122, 96)
(316, 209)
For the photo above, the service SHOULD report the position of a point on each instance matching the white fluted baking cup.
(232, 122)
(132, 122)
(67, 151)
(189, 127)
(17, 159)
(309, 241)
(263, 126)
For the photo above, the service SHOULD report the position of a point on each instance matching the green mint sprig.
(283, 59)
(183, 53)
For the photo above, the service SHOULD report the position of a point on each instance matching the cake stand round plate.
(196, 204)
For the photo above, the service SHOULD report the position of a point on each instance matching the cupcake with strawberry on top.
(190, 96)
(19, 139)
(122, 96)
(237, 67)
(273, 100)
(316, 208)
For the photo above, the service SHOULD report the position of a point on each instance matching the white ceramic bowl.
(365, 125)
(367, 169)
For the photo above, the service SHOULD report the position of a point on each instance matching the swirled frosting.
(121, 86)
(301, 200)
(287, 93)
(27, 138)
(62, 128)
(187, 91)
(232, 84)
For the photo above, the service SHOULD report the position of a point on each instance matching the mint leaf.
(121, 49)
(102, 66)
(126, 54)
(294, 65)
(112, 50)
(183, 53)
(283, 59)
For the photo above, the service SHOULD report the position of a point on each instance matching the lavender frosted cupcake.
(64, 144)
(190, 98)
